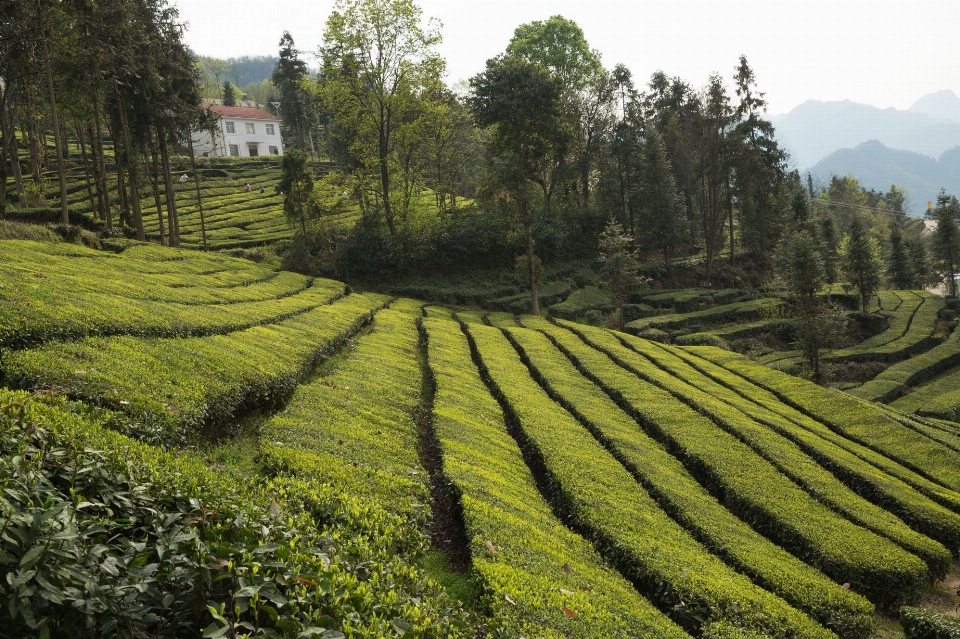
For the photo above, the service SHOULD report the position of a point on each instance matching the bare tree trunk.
(733, 260)
(86, 169)
(151, 167)
(15, 161)
(131, 173)
(385, 185)
(4, 152)
(34, 144)
(532, 272)
(196, 181)
(102, 164)
(97, 178)
(124, 200)
(61, 169)
(173, 219)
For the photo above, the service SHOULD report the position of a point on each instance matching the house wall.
(260, 138)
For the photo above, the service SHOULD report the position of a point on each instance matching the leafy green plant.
(537, 577)
(676, 490)
(588, 486)
(920, 624)
(107, 537)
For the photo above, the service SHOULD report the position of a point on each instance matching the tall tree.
(296, 184)
(296, 103)
(387, 67)
(672, 107)
(802, 273)
(587, 93)
(946, 238)
(618, 266)
(659, 208)
(899, 265)
(712, 191)
(520, 101)
(860, 262)
(229, 94)
(759, 172)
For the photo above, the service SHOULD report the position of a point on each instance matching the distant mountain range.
(878, 166)
(879, 146)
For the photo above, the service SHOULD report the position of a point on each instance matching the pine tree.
(946, 239)
(860, 262)
(899, 264)
(802, 272)
(229, 95)
(296, 184)
(659, 207)
(618, 265)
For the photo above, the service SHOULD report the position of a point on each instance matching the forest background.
(522, 168)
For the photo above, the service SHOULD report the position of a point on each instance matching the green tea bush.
(911, 332)
(736, 312)
(590, 487)
(897, 380)
(754, 487)
(354, 426)
(580, 301)
(170, 388)
(678, 493)
(819, 407)
(876, 478)
(855, 419)
(107, 537)
(538, 578)
(920, 624)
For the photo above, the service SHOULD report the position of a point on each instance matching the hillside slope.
(575, 481)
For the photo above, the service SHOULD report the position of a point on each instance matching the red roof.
(241, 113)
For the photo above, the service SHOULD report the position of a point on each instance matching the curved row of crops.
(581, 482)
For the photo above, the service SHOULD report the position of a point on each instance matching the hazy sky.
(880, 52)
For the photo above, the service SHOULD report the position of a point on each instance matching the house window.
(252, 150)
(235, 150)
(229, 126)
(250, 127)
(270, 129)
(274, 150)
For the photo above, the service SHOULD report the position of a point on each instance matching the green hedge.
(916, 337)
(173, 387)
(679, 494)
(758, 376)
(781, 442)
(920, 624)
(866, 472)
(354, 425)
(897, 380)
(579, 301)
(728, 333)
(104, 536)
(591, 488)
(537, 567)
(736, 312)
(854, 418)
(683, 419)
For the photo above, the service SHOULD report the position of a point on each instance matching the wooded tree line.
(545, 142)
(115, 70)
(544, 130)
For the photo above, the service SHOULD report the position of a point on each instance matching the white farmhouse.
(241, 132)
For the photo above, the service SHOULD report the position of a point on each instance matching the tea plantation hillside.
(397, 469)
(232, 216)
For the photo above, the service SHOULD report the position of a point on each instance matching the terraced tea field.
(422, 471)
(232, 217)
